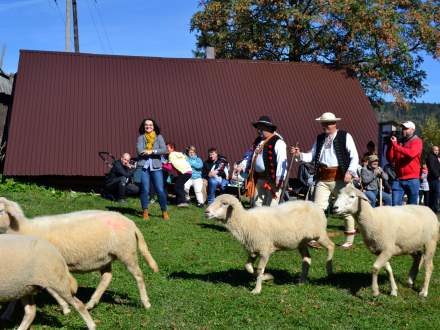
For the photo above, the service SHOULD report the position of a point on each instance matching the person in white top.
(336, 161)
(268, 166)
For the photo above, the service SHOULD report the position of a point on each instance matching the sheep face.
(221, 208)
(10, 212)
(217, 211)
(4, 218)
(348, 200)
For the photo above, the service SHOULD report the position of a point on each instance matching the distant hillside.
(417, 112)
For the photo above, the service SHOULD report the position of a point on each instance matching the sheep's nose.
(335, 208)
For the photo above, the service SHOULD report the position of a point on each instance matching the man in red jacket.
(405, 157)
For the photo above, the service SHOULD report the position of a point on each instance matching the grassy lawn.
(202, 283)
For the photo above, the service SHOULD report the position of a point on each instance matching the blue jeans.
(372, 195)
(156, 178)
(409, 187)
(213, 183)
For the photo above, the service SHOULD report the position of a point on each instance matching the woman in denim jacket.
(150, 147)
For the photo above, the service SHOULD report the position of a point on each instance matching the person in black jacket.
(215, 171)
(433, 163)
(117, 183)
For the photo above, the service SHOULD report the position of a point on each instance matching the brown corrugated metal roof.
(68, 107)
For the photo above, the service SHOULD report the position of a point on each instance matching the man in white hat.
(405, 157)
(268, 166)
(336, 161)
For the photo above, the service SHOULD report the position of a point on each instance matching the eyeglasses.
(148, 125)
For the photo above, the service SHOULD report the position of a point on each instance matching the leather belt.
(328, 174)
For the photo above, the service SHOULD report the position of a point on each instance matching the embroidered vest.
(269, 159)
(339, 143)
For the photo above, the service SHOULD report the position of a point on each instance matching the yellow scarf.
(150, 138)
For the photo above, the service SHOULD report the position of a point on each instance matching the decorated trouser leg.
(350, 230)
(323, 191)
(264, 197)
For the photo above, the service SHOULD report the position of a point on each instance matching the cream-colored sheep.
(264, 230)
(393, 230)
(88, 240)
(30, 264)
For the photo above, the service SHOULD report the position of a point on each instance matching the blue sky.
(128, 27)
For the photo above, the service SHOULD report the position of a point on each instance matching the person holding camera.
(117, 182)
(405, 156)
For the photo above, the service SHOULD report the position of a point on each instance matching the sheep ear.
(15, 214)
(361, 195)
(229, 211)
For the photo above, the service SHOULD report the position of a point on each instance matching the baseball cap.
(408, 124)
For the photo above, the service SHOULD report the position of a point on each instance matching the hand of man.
(147, 152)
(347, 177)
(295, 151)
(393, 139)
(212, 173)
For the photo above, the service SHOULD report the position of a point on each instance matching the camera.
(387, 138)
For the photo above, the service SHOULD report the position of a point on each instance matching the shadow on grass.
(353, 282)
(335, 227)
(109, 297)
(236, 277)
(41, 317)
(212, 226)
(124, 210)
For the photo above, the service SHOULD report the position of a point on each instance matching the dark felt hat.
(265, 121)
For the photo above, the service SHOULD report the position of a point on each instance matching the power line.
(57, 6)
(96, 28)
(103, 26)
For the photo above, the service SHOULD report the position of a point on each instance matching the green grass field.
(202, 283)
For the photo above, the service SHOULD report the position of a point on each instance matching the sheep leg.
(249, 265)
(381, 260)
(414, 268)
(82, 310)
(7, 314)
(260, 273)
(389, 270)
(30, 310)
(325, 241)
(133, 267)
(306, 262)
(106, 277)
(64, 305)
(429, 266)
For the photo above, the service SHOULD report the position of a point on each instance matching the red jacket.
(406, 158)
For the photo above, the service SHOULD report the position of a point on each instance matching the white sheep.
(264, 230)
(88, 240)
(29, 264)
(393, 230)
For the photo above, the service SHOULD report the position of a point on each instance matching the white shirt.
(328, 153)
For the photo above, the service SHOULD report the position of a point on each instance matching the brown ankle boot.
(165, 215)
(146, 215)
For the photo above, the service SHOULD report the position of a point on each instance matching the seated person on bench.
(118, 182)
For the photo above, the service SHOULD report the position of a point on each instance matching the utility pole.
(2, 56)
(67, 25)
(75, 27)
